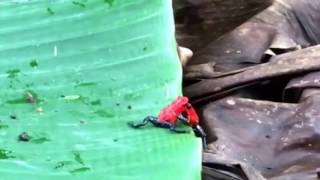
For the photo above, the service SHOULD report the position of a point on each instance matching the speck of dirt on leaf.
(5, 154)
(13, 73)
(34, 63)
(13, 116)
(50, 11)
(62, 164)
(78, 158)
(77, 3)
(59, 165)
(24, 137)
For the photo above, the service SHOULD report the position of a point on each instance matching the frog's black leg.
(145, 121)
(161, 124)
(183, 120)
(199, 132)
(174, 128)
(166, 125)
(155, 121)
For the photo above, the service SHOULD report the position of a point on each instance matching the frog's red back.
(171, 112)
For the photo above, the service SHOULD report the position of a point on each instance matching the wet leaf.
(89, 51)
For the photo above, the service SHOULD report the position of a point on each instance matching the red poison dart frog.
(179, 110)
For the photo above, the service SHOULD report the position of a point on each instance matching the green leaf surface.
(88, 67)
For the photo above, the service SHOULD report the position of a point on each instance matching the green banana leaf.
(72, 74)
